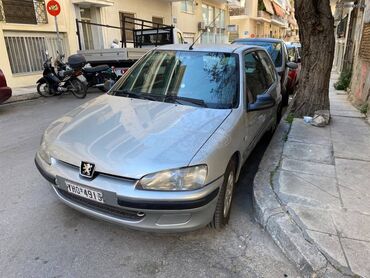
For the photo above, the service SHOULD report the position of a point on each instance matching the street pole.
(58, 35)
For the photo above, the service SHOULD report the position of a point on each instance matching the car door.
(255, 85)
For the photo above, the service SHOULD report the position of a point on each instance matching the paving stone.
(352, 224)
(354, 200)
(309, 152)
(347, 113)
(308, 189)
(330, 245)
(352, 150)
(308, 167)
(354, 174)
(313, 219)
(302, 132)
(358, 254)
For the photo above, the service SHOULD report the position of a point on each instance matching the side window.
(268, 67)
(255, 76)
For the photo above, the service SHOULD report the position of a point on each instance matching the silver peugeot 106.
(163, 149)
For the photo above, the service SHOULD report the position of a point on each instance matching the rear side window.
(268, 67)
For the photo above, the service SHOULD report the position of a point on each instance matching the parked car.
(163, 149)
(278, 52)
(5, 91)
(293, 74)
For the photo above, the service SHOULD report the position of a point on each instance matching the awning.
(93, 3)
(268, 6)
(278, 10)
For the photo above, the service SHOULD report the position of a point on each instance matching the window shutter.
(20, 11)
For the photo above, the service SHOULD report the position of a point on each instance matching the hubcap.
(228, 193)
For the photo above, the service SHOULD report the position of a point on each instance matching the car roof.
(225, 48)
(258, 40)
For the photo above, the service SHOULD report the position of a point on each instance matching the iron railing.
(39, 9)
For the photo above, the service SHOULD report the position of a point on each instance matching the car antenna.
(191, 46)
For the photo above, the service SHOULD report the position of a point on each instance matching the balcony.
(264, 15)
(237, 11)
(23, 12)
(279, 21)
(93, 3)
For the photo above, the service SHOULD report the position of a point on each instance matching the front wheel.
(223, 207)
(44, 90)
(77, 88)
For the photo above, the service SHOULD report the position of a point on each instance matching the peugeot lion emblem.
(87, 169)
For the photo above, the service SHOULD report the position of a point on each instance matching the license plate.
(85, 192)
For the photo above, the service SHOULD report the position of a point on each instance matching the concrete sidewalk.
(316, 204)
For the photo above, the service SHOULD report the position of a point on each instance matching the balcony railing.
(237, 11)
(280, 20)
(23, 11)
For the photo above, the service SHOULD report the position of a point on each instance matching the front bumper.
(131, 207)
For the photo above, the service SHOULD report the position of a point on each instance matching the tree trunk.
(316, 33)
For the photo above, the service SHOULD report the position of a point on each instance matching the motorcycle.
(99, 76)
(65, 79)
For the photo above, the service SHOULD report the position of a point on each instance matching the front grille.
(107, 209)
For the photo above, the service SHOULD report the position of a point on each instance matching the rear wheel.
(44, 90)
(223, 207)
(77, 88)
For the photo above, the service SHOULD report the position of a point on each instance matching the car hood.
(132, 137)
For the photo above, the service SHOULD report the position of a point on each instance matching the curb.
(23, 97)
(277, 221)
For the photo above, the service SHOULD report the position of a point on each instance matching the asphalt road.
(41, 237)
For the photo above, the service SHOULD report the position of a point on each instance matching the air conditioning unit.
(232, 28)
(201, 25)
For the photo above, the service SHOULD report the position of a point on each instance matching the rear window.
(275, 50)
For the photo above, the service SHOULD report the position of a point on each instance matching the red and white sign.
(53, 8)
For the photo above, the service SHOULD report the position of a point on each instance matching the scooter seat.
(96, 69)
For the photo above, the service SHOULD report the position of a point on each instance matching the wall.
(66, 27)
(360, 83)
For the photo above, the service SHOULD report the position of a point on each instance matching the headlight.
(182, 179)
(44, 153)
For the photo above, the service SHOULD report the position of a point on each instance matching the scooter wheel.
(44, 90)
(79, 90)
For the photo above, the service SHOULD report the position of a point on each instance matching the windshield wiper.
(180, 100)
(135, 95)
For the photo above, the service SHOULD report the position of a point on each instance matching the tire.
(285, 98)
(78, 89)
(44, 90)
(223, 207)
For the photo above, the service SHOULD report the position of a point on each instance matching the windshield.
(273, 48)
(184, 77)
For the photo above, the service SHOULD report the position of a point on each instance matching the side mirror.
(291, 65)
(298, 60)
(262, 102)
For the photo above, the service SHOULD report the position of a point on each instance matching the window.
(268, 67)
(129, 25)
(187, 6)
(26, 53)
(256, 81)
(157, 20)
(209, 78)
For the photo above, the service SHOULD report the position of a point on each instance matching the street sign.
(53, 8)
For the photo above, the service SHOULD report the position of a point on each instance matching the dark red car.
(294, 55)
(5, 91)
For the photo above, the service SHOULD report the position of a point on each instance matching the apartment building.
(26, 30)
(208, 19)
(264, 18)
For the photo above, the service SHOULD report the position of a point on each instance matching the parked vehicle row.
(278, 51)
(163, 150)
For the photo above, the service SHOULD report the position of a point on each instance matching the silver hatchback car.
(163, 149)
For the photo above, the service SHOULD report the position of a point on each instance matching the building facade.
(264, 18)
(27, 31)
